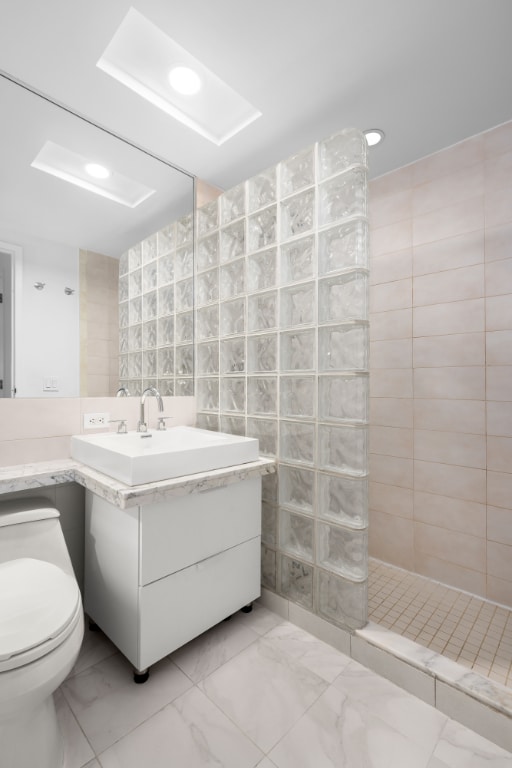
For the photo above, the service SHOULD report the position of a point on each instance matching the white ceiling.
(428, 72)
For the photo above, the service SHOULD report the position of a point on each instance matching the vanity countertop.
(23, 477)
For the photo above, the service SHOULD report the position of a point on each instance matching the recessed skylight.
(185, 80)
(373, 136)
(76, 169)
(142, 56)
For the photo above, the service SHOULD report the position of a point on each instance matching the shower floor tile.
(467, 629)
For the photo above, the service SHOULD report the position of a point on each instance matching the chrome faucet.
(122, 392)
(142, 426)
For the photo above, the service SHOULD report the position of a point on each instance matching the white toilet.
(41, 631)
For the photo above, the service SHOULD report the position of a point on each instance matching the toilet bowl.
(41, 631)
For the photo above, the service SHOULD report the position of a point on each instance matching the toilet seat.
(40, 606)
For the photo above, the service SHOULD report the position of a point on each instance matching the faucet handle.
(122, 429)
(161, 422)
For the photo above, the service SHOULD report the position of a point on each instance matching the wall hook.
(39, 286)
(69, 291)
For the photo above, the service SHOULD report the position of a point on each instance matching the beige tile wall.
(441, 366)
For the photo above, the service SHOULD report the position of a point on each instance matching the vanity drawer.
(185, 530)
(178, 608)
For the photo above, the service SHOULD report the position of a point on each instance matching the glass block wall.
(156, 322)
(281, 342)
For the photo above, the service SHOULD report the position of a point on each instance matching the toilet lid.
(37, 601)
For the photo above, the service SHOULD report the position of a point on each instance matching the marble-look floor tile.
(459, 747)
(77, 750)
(212, 649)
(263, 691)
(92, 764)
(266, 763)
(95, 647)
(108, 704)
(260, 619)
(189, 733)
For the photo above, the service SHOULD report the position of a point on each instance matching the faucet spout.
(142, 425)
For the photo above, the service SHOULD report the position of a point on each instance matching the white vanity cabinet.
(159, 574)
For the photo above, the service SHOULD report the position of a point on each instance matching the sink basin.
(145, 457)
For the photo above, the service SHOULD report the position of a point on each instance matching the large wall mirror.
(63, 233)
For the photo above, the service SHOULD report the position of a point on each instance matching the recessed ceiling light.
(97, 171)
(373, 136)
(185, 80)
(70, 166)
(140, 55)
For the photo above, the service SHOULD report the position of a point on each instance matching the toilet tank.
(30, 527)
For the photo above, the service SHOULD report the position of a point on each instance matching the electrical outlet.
(96, 420)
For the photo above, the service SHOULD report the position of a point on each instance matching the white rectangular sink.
(135, 458)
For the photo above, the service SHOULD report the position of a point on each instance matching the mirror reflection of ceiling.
(429, 72)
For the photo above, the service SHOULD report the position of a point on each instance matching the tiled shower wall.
(441, 366)
(281, 332)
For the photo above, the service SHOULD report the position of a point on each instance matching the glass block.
(342, 197)
(207, 358)
(297, 396)
(297, 442)
(262, 313)
(343, 347)
(298, 350)
(343, 247)
(184, 295)
(298, 214)
(184, 387)
(134, 386)
(339, 152)
(298, 260)
(262, 189)
(208, 252)
(296, 534)
(166, 239)
(207, 287)
(184, 262)
(232, 279)
(165, 361)
(233, 425)
(207, 218)
(232, 241)
(208, 322)
(184, 360)
(262, 353)
(269, 488)
(135, 311)
(343, 499)
(340, 601)
(149, 305)
(297, 487)
(262, 395)
(135, 283)
(185, 230)
(123, 288)
(268, 568)
(265, 430)
(166, 269)
(208, 421)
(135, 365)
(342, 550)
(149, 331)
(296, 581)
(149, 381)
(207, 394)
(297, 172)
(344, 297)
(269, 524)
(123, 340)
(124, 370)
(166, 300)
(261, 229)
(184, 328)
(149, 362)
(343, 448)
(232, 204)
(165, 331)
(232, 355)
(261, 270)
(343, 398)
(232, 396)
(165, 387)
(135, 257)
(124, 314)
(149, 250)
(134, 338)
(124, 264)
(232, 317)
(298, 305)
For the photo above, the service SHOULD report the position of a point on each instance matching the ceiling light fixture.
(140, 55)
(97, 171)
(373, 136)
(185, 80)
